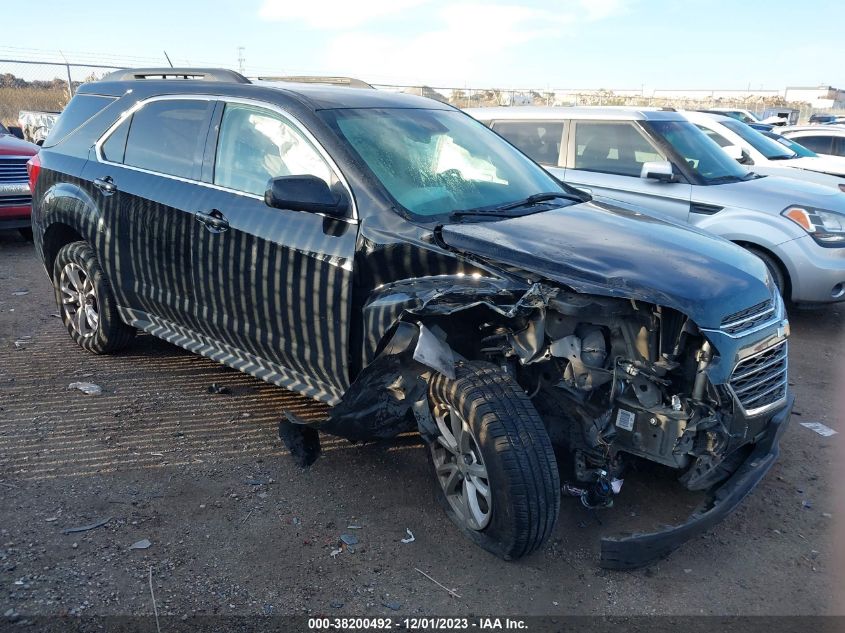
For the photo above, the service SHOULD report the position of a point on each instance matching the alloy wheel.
(79, 300)
(460, 469)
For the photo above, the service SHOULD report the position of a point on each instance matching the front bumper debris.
(630, 552)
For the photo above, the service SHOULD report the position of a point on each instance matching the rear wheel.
(86, 303)
(493, 460)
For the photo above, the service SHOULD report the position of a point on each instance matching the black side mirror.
(16, 130)
(305, 193)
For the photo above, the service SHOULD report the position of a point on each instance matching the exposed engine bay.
(614, 379)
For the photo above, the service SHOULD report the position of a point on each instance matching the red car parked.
(15, 196)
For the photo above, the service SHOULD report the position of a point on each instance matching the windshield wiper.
(537, 198)
(724, 179)
(492, 213)
(505, 210)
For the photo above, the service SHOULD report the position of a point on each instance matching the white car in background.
(747, 116)
(767, 156)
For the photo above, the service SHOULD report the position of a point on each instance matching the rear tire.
(493, 460)
(86, 303)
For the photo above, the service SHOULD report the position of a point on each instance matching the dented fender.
(443, 295)
(402, 349)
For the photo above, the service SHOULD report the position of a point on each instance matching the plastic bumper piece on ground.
(641, 549)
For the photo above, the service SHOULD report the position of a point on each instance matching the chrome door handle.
(105, 185)
(214, 220)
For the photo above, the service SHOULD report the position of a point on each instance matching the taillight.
(33, 168)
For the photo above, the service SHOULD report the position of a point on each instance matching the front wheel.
(775, 270)
(493, 460)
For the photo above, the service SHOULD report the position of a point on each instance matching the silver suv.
(661, 163)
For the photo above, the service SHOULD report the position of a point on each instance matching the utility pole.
(241, 60)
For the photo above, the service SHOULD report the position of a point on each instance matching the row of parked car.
(392, 257)
(764, 191)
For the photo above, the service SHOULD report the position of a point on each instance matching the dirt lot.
(236, 528)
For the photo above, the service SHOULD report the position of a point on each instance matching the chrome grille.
(14, 201)
(748, 318)
(759, 382)
(13, 170)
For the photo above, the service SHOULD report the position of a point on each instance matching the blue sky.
(564, 44)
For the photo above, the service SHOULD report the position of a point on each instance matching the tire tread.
(506, 414)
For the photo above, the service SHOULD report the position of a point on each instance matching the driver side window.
(256, 145)
(612, 147)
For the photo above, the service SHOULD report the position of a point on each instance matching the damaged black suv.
(391, 257)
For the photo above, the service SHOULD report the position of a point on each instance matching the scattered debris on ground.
(818, 427)
(86, 528)
(88, 388)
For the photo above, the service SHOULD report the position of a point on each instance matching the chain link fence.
(37, 87)
(28, 85)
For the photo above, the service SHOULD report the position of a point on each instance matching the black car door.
(273, 285)
(147, 176)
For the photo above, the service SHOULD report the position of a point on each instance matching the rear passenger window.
(168, 137)
(819, 144)
(538, 139)
(256, 145)
(614, 148)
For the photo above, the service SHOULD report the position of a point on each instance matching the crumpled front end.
(622, 379)
(615, 380)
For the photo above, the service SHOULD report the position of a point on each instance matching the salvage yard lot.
(237, 528)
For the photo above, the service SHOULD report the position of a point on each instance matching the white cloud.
(333, 14)
(431, 41)
(467, 41)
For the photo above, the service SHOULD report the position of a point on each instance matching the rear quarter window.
(80, 109)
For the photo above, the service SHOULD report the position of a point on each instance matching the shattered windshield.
(434, 162)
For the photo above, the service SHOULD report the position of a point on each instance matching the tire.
(775, 270)
(503, 444)
(86, 303)
(26, 234)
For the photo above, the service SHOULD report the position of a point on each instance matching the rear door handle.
(105, 185)
(214, 220)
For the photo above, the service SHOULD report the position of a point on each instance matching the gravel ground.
(235, 528)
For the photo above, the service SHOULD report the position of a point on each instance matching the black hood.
(617, 252)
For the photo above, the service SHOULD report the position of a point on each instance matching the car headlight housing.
(826, 227)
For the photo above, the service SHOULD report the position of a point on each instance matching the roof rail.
(204, 74)
(349, 82)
